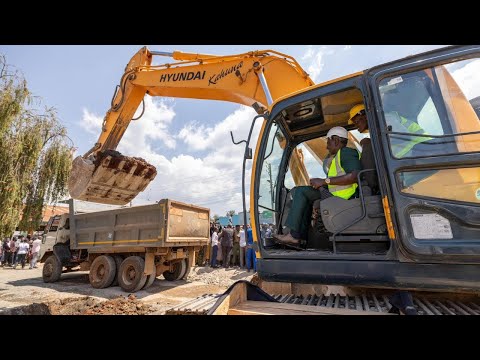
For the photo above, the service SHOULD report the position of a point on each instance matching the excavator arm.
(255, 78)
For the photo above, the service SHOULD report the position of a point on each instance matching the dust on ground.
(22, 291)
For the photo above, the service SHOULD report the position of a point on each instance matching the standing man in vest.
(341, 166)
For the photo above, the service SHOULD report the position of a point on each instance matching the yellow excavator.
(417, 227)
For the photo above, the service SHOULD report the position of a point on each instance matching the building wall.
(51, 210)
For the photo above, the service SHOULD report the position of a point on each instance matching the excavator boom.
(255, 78)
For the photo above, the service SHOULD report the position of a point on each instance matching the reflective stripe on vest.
(402, 145)
(343, 191)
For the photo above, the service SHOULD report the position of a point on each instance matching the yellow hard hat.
(354, 111)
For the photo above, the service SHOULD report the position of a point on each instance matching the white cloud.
(467, 77)
(308, 53)
(91, 122)
(213, 180)
(153, 125)
(314, 60)
(200, 137)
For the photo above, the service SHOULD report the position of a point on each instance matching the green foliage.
(231, 212)
(35, 159)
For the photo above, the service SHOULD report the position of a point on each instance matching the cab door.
(428, 135)
(49, 237)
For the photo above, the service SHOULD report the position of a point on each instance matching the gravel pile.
(219, 276)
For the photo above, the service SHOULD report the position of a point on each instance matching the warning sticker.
(430, 226)
(395, 81)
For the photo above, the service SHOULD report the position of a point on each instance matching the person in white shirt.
(35, 251)
(23, 249)
(243, 243)
(213, 263)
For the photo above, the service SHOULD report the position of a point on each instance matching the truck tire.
(130, 276)
(187, 269)
(52, 269)
(178, 272)
(102, 272)
(150, 279)
(118, 261)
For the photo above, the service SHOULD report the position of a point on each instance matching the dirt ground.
(24, 292)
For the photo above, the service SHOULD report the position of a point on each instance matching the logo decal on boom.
(214, 78)
(183, 76)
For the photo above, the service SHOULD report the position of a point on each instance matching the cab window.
(423, 107)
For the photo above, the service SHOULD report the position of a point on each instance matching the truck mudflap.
(109, 178)
(62, 252)
(244, 298)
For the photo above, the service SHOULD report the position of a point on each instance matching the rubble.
(90, 306)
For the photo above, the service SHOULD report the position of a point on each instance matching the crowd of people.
(231, 246)
(20, 250)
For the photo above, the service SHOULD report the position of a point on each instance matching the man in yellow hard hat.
(358, 117)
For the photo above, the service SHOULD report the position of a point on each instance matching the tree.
(35, 157)
(230, 212)
(215, 218)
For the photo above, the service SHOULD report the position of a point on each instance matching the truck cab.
(54, 231)
(420, 229)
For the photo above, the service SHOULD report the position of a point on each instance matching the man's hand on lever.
(317, 183)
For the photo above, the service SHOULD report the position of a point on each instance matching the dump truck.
(128, 246)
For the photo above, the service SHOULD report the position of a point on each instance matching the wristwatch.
(327, 181)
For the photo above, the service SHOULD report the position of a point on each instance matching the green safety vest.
(401, 147)
(343, 191)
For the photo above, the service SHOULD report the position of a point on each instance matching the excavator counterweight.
(104, 175)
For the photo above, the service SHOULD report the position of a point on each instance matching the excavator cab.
(419, 228)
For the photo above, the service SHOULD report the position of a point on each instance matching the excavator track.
(364, 302)
(197, 306)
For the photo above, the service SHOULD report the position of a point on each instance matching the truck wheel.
(118, 261)
(52, 269)
(187, 269)
(150, 279)
(177, 273)
(102, 272)
(131, 277)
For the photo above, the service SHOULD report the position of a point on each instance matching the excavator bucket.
(109, 179)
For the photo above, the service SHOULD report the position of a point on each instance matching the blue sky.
(187, 140)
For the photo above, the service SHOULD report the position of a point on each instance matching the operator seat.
(337, 213)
